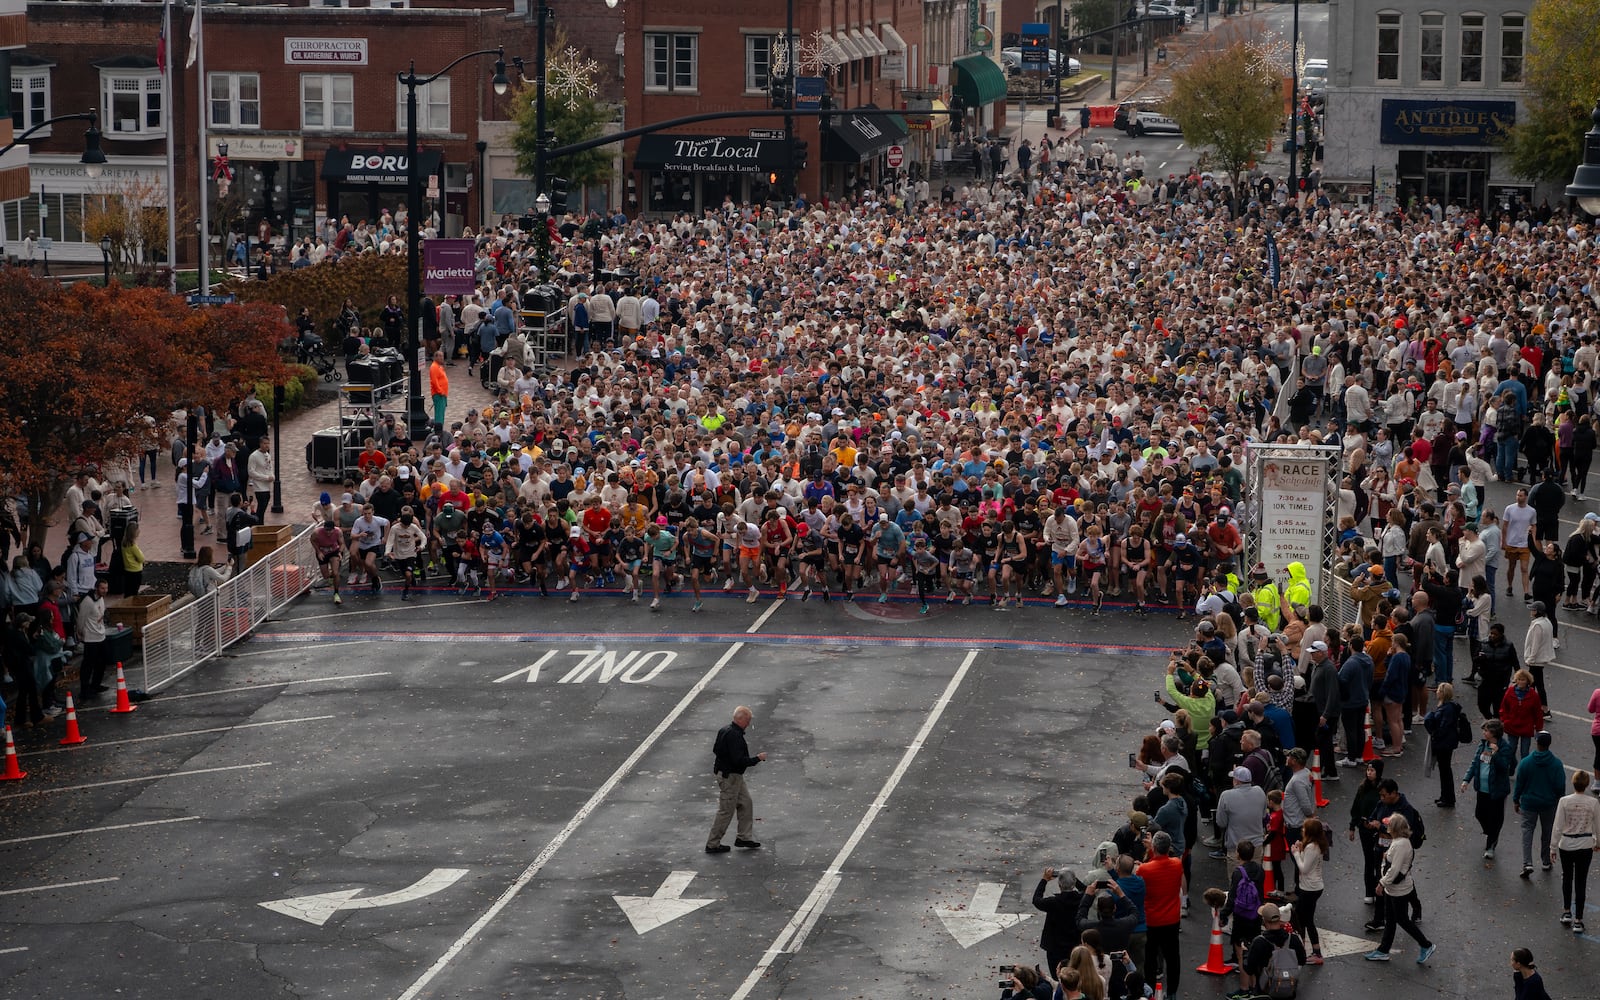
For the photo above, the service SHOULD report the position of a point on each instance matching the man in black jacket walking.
(732, 759)
(1060, 934)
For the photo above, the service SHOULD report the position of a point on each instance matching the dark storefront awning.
(711, 153)
(371, 166)
(978, 80)
(855, 138)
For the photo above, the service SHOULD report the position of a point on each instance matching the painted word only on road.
(575, 666)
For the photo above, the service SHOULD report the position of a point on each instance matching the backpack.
(1282, 976)
(1246, 897)
(1272, 780)
(1463, 729)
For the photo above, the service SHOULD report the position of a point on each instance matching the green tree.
(586, 119)
(1226, 101)
(1563, 79)
(1092, 15)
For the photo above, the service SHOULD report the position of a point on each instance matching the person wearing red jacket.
(1521, 712)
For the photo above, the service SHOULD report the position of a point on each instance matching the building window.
(30, 99)
(672, 61)
(327, 101)
(235, 100)
(1430, 49)
(758, 54)
(1471, 48)
(1388, 47)
(133, 103)
(1513, 28)
(433, 107)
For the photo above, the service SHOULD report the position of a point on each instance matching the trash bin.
(1050, 118)
(119, 645)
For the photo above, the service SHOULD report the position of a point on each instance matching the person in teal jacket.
(1489, 774)
(1541, 781)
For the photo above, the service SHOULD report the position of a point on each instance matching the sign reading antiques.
(1447, 123)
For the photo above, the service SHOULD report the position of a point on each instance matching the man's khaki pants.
(732, 797)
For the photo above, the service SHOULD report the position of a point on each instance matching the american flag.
(161, 47)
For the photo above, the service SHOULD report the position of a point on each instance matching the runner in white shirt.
(1518, 534)
(366, 541)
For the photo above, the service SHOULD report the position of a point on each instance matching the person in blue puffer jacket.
(1541, 781)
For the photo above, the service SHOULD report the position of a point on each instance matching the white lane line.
(135, 781)
(1576, 670)
(11, 951)
(251, 687)
(377, 611)
(794, 933)
(1580, 628)
(98, 829)
(528, 874)
(1569, 715)
(97, 744)
(269, 652)
(753, 629)
(58, 885)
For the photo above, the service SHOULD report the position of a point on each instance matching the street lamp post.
(1585, 186)
(105, 254)
(93, 158)
(1294, 104)
(416, 411)
(483, 181)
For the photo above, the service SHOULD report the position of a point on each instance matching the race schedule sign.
(1293, 498)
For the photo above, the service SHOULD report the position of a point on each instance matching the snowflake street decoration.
(571, 77)
(1269, 54)
(818, 54)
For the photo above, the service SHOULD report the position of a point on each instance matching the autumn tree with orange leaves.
(85, 365)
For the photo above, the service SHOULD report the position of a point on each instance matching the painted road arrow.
(646, 913)
(971, 924)
(320, 908)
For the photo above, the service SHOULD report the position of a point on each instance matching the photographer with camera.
(1060, 933)
(1024, 984)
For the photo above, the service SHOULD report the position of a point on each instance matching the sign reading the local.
(447, 267)
(1292, 492)
(1446, 123)
(325, 51)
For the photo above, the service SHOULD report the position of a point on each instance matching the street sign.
(197, 299)
(894, 156)
(766, 133)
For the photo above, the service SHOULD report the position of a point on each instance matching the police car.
(1146, 121)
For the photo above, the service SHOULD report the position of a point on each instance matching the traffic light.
(558, 196)
(799, 149)
(780, 89)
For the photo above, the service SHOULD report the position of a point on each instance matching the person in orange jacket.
(439, 386)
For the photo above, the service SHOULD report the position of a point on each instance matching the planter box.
(137, 612)
(265, 538)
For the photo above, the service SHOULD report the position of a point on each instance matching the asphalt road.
(447, 799)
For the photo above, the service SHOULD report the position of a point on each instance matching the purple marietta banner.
(447, 267)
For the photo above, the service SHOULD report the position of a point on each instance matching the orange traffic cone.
(12, 771)
(1268, 884)
(73, 736)
(1215, 964)
(1367, 752)
(1316, 778)
(124, 706)
(1160, 991)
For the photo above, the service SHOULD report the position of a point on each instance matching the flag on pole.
(161, 48)
(1274, 265)
(194, 37)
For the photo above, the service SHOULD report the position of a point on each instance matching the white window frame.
(1431, 23)
(26, 81)
(1479, 27)
(236, 102)
(152, 95)
(433, 107)
(1388, 20)
(328, 101)
(758, 69)
(674, 41)
(1513, 24)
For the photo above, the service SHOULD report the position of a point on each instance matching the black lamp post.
(1294, 103)
(416, 411)
(93, 158)
(105, 254)
(277, 449)
(483, 182)
(1585, 186)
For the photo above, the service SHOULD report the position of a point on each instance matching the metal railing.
(179, 642)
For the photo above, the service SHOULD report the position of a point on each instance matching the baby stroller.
(310, 350)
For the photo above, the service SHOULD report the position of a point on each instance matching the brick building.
(304, 96)
(683, 57)
(14, 164)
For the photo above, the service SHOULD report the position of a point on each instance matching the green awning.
(978, 80)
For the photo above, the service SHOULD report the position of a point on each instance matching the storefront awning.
(891, 38)
(842, 39)
(855, 138)
(978, 81)
(868, 42)
(711, 153)
(372, 166)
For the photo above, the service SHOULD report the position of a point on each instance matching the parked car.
(1314, 81)
(1153, 122)
(1012, 58)
(1166, 10)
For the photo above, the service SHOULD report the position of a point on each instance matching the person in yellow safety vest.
(1230, 579)
(1266, 595)
(1298, 588)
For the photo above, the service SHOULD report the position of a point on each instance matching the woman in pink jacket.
(1594, 728)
